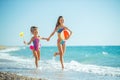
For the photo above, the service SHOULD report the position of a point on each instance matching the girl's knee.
(36, 57)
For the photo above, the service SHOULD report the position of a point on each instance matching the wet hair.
(33, 28)
(58, 23)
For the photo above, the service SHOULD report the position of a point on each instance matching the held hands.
(48, 39)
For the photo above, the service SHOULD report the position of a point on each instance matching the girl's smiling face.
(61, 20)
(35, 32)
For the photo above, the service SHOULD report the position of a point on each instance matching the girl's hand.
(48, 39)
(67, 38)
(44, 39)
(25, 42)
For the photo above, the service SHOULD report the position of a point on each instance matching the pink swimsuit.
(36, 44)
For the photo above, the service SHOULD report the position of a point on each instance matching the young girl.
(36, 42)
(60, 43)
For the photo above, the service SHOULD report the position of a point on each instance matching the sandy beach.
(13, 76)
(2, 47)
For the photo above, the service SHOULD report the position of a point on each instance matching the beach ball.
(31, 47)
(65, 34)
(21, 34)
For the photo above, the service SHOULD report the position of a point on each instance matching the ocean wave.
(53, 65)
(79, 67)
(7, 56)
(101, 70)
(10, 49)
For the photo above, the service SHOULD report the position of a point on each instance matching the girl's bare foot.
(62, 67)
(55, 54)
(36, 67)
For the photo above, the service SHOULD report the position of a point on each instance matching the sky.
(93, 22)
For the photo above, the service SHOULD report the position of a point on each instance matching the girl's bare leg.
(57, 53)
(63, 48)
(36, 58)
(61, 54)
(38, 53)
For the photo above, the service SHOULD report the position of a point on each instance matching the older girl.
(60, 43)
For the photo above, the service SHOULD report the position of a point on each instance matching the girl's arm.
(28, 42)
(43, 38)
(51, 34)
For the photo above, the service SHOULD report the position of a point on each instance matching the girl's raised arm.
(28, 42)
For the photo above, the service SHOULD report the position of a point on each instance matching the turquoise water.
(81, 63)
(97, 55)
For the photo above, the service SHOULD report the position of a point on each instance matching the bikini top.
(60, 30)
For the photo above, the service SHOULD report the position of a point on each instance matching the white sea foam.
(23, 47)
(101, 70)
(10, 49)
(52, 65)
(104, 53)
(7, 56)
(17, 62)
(76, 66)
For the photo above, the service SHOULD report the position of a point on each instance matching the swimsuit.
(36, 44)
(62, 42)
(59, 31)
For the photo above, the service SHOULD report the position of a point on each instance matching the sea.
(81, 62)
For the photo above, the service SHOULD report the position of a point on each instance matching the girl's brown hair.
(58, 23)
(33, 28)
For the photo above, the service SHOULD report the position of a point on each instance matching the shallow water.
(81, 63)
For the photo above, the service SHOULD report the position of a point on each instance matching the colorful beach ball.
(65, 34)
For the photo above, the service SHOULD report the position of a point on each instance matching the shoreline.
(3, 47)
(13, 76)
